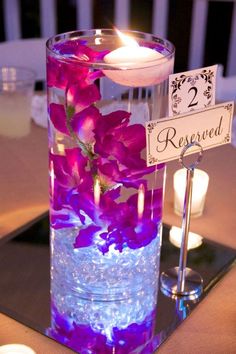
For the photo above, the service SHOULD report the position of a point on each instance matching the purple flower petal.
(83, 124)
(58, 117)
(69, 46)
(61, 221)
(135, 338)
(60, 74)
(86, 236)
(83, 202)
(94, 75)
(133, 137)
(76, 162)
(70, 170)
(82, 96)
(111, 121)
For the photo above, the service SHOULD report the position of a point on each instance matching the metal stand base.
(192, 285)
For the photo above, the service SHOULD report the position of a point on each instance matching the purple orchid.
(120, 141)
(80, 97)
(109, 149)
(84, 123)
(118, 224)
(61, 75)
(78, 50)
(81, 337)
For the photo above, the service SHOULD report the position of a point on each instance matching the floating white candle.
(175, 236)
(139, 66)
(132, 56)
(200, 185)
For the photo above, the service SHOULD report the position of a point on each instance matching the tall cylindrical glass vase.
(105, 203)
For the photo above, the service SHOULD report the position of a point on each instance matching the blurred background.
(219, 18)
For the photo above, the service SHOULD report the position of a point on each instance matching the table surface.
(211, 328)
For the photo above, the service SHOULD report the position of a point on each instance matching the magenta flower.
(58, 117)
(84, 123)
(70, 179)
(118, 224)
(116, 139)
(86, 236)
(81, 97)
(135, 338)
(70, 170)
(77, 50)
(61, 75)
(109, 150)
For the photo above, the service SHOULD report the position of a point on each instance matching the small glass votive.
(175, 237)
(16, 91)
(200, 185)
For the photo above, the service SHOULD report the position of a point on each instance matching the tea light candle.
(152, 66)
(16, 349)
(132, 56)
(200, 185)
(175, 236)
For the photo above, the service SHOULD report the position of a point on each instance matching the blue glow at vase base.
(109, 299)
(137, 338)
(89, 274)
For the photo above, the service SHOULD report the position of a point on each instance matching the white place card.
(192, 90)
(211, 127)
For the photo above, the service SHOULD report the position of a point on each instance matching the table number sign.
(192, 90)
(210, 127)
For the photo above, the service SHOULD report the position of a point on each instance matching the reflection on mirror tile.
(138, 325)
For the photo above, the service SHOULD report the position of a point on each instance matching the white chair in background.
(225, 86)
(30, 53)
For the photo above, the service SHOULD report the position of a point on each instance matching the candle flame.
(127, 40)
(140, 205)
(97, 191)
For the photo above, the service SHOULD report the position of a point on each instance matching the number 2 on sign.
(193, 103)
(192, 90)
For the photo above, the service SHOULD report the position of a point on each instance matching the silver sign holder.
(183, 281)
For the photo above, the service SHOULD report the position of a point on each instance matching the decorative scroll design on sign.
(152, 160)
(227, 138)
(229, 107)
(193, 82)
(151, 126)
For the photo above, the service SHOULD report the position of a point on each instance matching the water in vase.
(105, 203)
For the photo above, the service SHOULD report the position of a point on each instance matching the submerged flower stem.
(74, 136)
(70, 111)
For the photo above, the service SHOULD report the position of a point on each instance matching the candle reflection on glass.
(200, 185)
(97, 191)
(140, 205)
(175, 236)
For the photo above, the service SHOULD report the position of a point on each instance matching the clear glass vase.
(105, 203)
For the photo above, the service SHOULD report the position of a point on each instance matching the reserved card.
(167, 137)
(192, 90)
